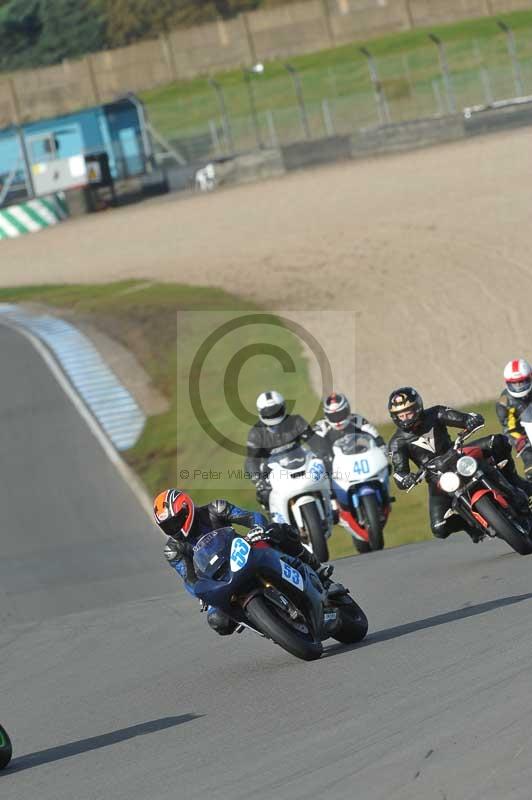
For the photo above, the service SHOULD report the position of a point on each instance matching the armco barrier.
(491, 120)
(32, 216)
(319, 151)
(408, 135)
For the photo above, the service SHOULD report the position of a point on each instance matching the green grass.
(142, 316)
(408, 67)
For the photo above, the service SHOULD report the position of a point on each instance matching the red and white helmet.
(337, 411)
(518, 377)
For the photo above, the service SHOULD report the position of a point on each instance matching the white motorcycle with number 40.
(301, 497)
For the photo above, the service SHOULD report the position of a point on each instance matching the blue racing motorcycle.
(273, 594)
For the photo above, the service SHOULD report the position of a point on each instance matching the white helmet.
(518, 377)
(271, 407)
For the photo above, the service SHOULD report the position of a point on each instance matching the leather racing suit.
(509, 411)
(267, 440)
(430, 437)
(217, 514)
(326, 436)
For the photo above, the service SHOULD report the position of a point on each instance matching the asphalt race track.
(113, 688)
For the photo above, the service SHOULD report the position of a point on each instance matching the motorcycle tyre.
(374, 525)
(267, 621)
(313, 526)
(354, 624)
(503, 526)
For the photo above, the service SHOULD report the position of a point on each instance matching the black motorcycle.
(480, 493)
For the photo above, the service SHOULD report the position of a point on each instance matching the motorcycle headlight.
(466, 466)
(449, 482)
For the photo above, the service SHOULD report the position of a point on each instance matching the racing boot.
(474, 534)
(324, 572)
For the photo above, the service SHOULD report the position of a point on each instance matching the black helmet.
(337, 411)
(404, 400)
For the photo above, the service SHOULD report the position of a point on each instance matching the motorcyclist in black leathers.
(274, 432)
(185, 523)
(422, 433)
(514, 401)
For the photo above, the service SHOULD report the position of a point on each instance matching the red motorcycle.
(480, 493)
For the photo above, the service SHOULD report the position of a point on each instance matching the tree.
(70, 28)
(130, 20)
(47, 31)
(20, 28)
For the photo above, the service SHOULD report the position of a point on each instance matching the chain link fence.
(278, 105)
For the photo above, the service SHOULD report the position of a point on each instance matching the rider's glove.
(283, 535)
(408, 481)
(256, 534)
(325, 571)
(521, 443)
(174, 549)
(474, 421)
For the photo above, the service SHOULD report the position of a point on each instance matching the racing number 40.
(361, 466)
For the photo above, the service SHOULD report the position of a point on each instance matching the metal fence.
(276, 105)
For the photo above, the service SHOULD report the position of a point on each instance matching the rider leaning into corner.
(422, 433)
(185, 523)
(511, 405)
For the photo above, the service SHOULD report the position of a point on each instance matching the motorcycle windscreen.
(293, 459)
(354, 443)
(213, 552)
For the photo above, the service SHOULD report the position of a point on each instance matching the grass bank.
(164, 325)
(407, 63)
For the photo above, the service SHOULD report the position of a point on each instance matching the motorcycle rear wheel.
(503, 526)
(6, 749)
(313, 526)
(268, 620)
(354, 624)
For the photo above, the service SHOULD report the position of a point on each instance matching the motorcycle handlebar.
(460, 439)
(418, 477)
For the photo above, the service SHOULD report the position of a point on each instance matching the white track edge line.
(133, 482)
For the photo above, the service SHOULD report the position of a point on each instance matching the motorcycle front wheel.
(313, 526)
(269, 619)
(373, 522)
(6, 749)
(503, 526)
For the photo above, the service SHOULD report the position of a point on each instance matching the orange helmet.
(174, 512)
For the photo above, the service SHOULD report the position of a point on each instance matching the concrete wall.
(279, 32)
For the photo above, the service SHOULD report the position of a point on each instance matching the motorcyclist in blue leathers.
(185, 523)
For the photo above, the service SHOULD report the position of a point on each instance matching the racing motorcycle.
(360, 479)
(273, 594)
(526, 422)
(6, 750)
(480, 493)
(301, 496)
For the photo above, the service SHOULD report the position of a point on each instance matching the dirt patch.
(431, 250)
